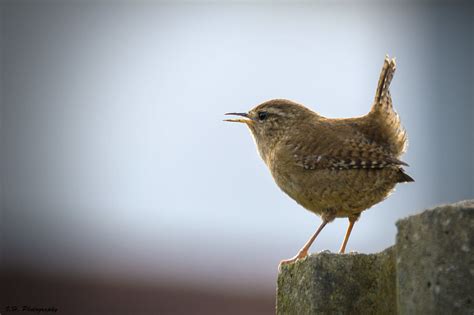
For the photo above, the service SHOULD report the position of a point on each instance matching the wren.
(335, 168)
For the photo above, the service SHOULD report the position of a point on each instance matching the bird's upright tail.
(390, 133)
(386, 76)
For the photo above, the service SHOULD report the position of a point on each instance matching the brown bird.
(336, 168)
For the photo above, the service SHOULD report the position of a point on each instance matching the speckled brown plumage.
(332, 167)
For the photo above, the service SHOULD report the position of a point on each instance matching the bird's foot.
(300, 255)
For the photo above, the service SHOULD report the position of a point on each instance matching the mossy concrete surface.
(328, 283)
(430, 270)
(435, 261)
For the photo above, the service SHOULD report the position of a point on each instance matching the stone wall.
(430, 270)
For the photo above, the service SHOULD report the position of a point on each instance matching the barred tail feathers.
(390, 133)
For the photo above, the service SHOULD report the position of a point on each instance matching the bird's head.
(272, 120)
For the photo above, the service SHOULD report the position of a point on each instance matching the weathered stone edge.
(464, 205)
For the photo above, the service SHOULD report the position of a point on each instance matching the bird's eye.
(262, 115)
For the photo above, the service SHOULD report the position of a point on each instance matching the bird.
(333, 167)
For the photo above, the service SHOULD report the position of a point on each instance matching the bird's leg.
(304, 251)
(352, 220)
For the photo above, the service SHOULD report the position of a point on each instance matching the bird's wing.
(345, 149)
(382, 125)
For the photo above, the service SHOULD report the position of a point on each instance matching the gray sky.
(116, 161)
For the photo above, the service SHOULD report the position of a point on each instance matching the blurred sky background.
(116, 161)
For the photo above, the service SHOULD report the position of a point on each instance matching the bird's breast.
(299, 185)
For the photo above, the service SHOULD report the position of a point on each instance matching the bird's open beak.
(239, 120)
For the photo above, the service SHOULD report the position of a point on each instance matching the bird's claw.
(300, 255)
